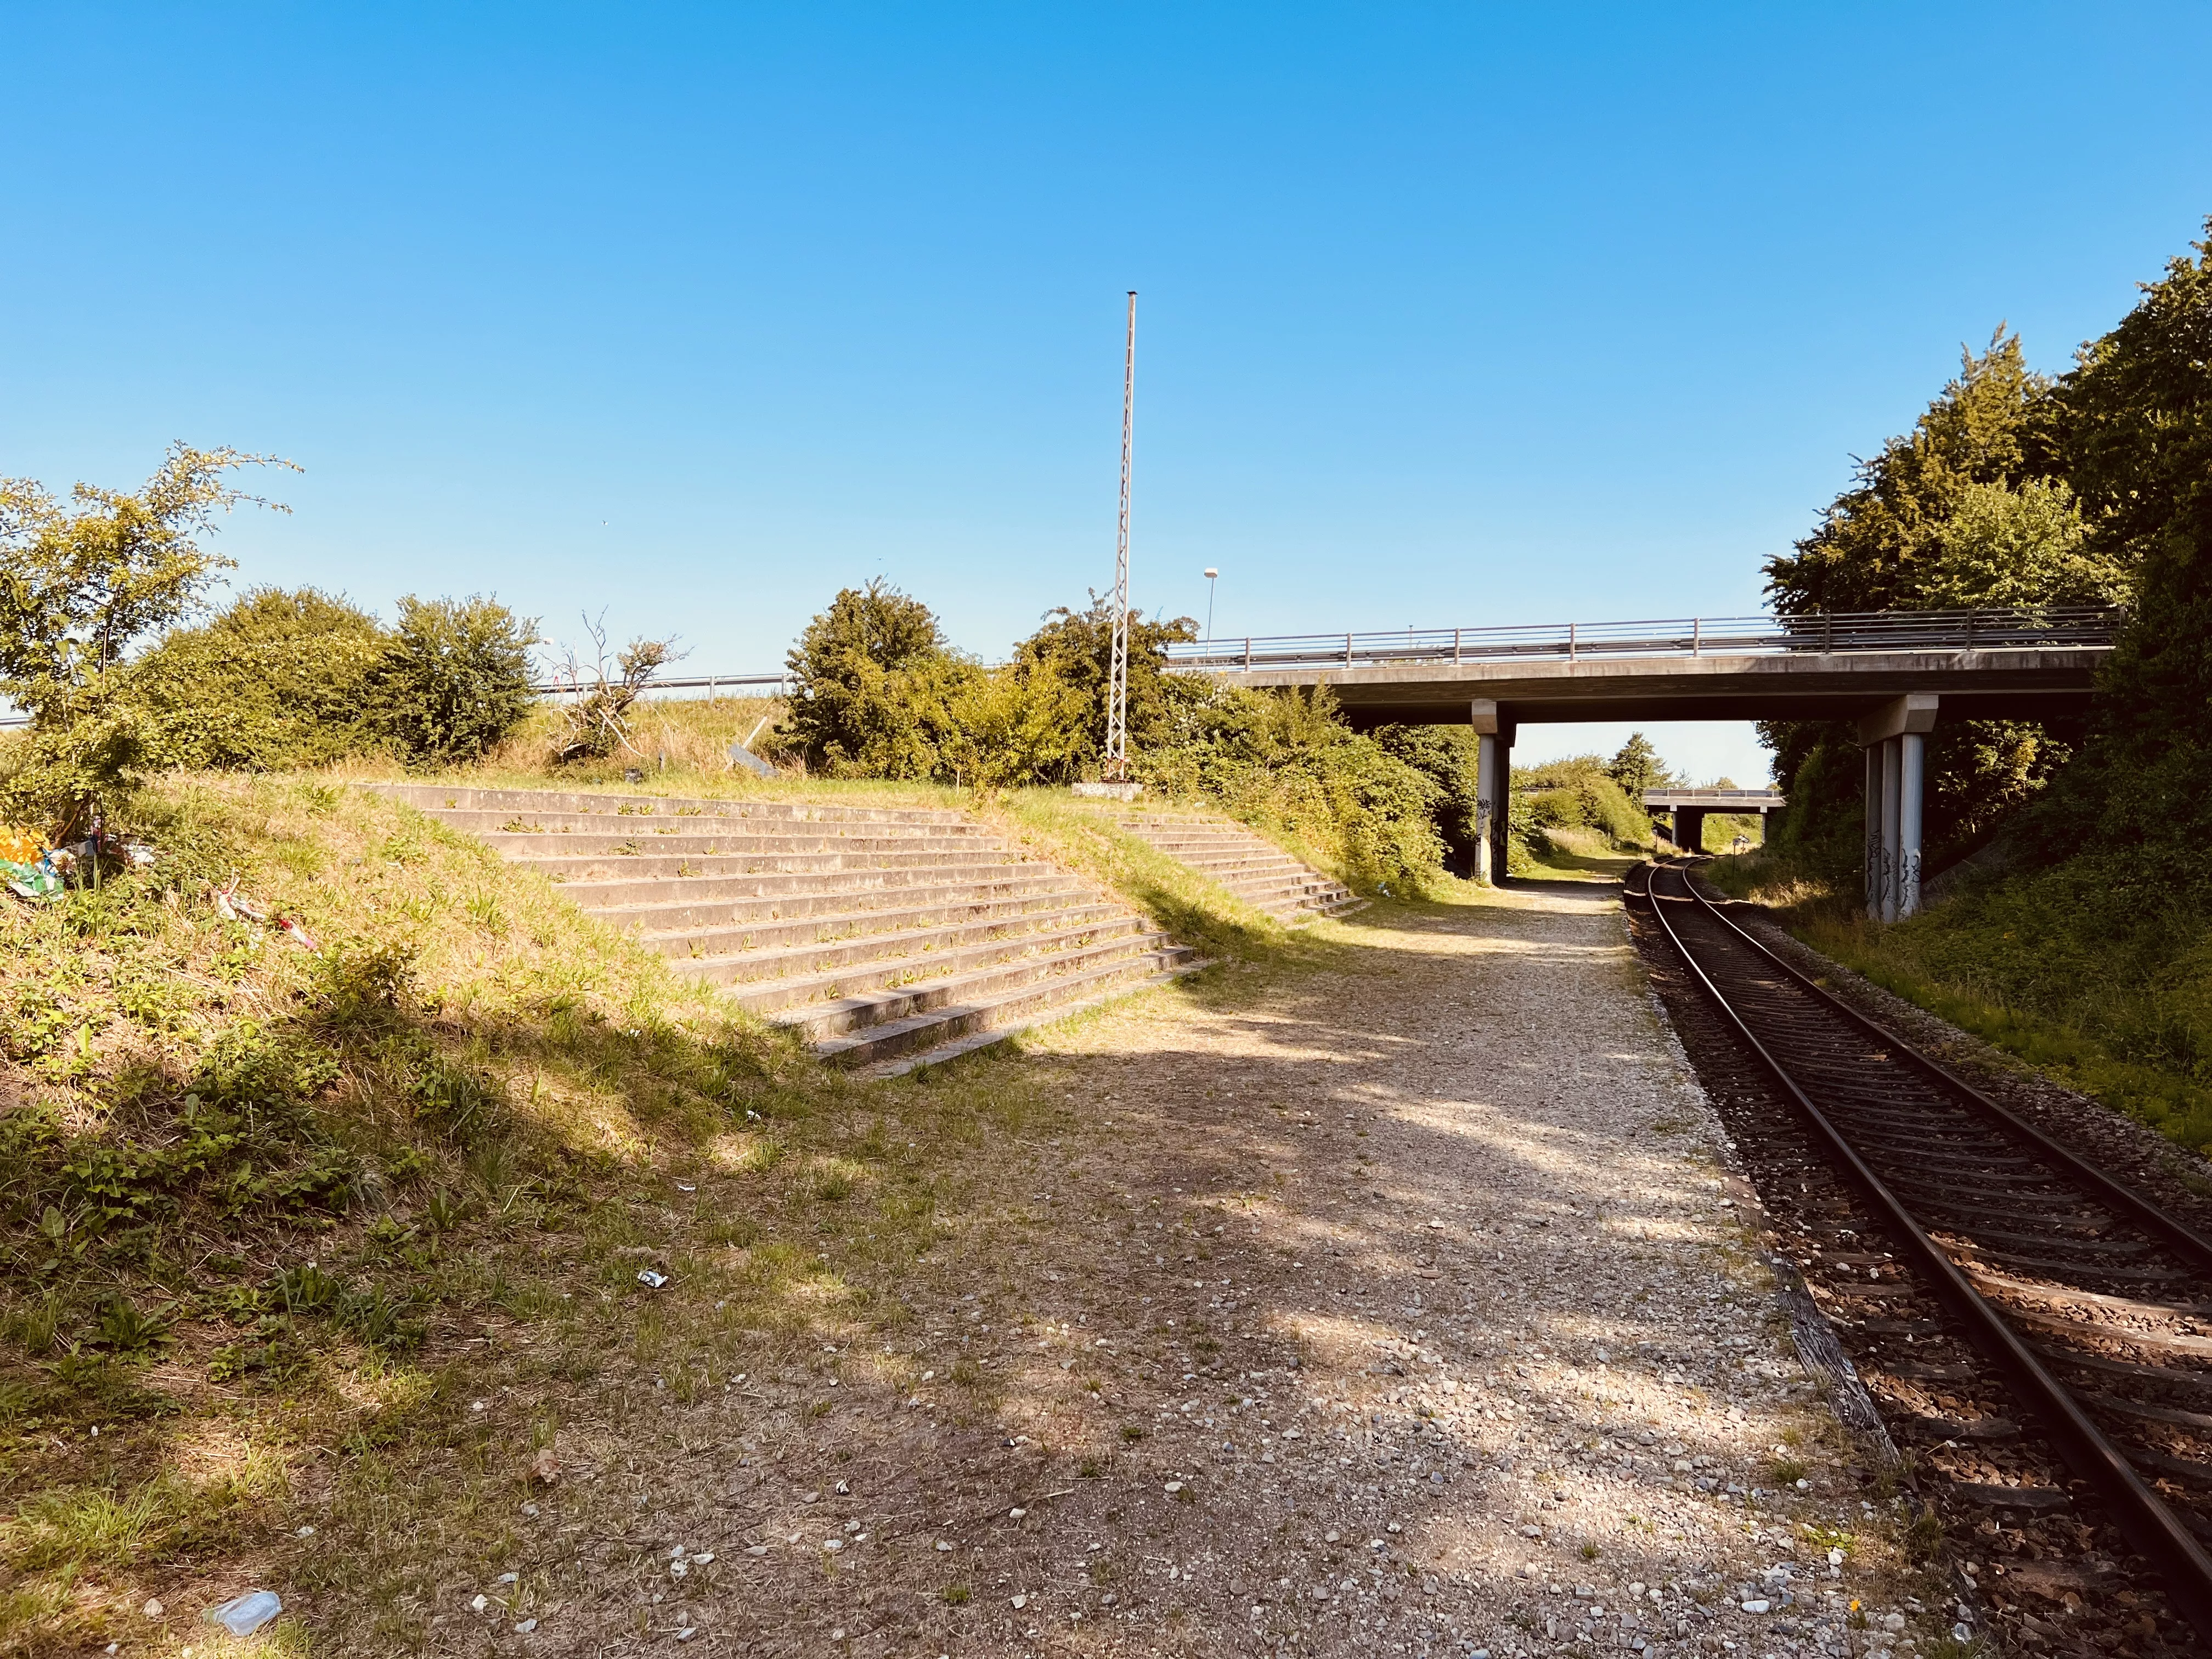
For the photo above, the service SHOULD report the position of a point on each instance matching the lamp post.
(1211, 573)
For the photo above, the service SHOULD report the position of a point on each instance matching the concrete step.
(441, 797)
(890, 937)
(739, 959)
(658, 862)
(713, 843)
(1245, 864)
(1007, 1019)
(1251, 864)
(910, 906)
(735, 830)
(623, 887)
(1033, 951)
(941, 1017)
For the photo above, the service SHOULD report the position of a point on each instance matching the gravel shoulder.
(1405, 1301)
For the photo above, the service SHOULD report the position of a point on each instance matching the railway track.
(2092, 1305)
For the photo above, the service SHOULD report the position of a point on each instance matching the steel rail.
(2147, 1522)
(2116, 1195)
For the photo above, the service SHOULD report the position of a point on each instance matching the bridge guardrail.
(2062, 627)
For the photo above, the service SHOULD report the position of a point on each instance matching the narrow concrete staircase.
(891, 937)
(1249, 865)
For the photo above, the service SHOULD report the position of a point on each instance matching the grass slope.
(343, 1239)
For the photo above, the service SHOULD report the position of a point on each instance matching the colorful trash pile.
(33, 870)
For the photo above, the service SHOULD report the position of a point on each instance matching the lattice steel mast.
(1117, 693)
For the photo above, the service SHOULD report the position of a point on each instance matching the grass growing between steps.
(1192, 909)
(1052, 824)
(342, 1238)
(2105, 991)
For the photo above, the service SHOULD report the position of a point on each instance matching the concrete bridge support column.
(1689, 831)
(1895, 740)
(1912, 790)
(1494, 791)
(1501, 821)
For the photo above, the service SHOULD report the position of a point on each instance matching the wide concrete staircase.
(1249, 866)
(891, 937)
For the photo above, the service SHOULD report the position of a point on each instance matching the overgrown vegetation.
(878, 694)
(274, 1222)
(278, 679)
(2080, 937)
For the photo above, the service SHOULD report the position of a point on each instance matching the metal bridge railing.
(1708, 797)
(2064, 628)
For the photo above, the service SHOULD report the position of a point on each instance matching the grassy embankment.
(341, 1239)
(2104, 988)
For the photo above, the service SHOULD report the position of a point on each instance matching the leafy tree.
(278, 678)
(873, 686)
(1881, 544)
(453, 679)
(1968, 509)
(80, 586)
(1581, 793)
(1076, 649)
(1024, 723)
(1446, 755)
(1637, 768)
(2138, 433)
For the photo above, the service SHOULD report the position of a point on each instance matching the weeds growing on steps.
(2099, 979)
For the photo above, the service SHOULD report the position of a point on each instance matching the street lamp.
(1211, 573)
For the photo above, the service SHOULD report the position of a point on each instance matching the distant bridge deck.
(1718, 801)
(1983, 664)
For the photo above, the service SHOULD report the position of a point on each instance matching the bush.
(1286, 761)
(873, 685)
(454, 680)
(1578, 794)
(279, 679)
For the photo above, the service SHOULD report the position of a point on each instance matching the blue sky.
(1454, 315)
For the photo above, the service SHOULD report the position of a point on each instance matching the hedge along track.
(2094, 1305)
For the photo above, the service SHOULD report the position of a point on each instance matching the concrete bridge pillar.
(1689, 830)
(1494, 791)
(1895, 739)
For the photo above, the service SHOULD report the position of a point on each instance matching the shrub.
(873, 686)
(279, 679)
(1287, 761)
(1581, 793)
(454, 680)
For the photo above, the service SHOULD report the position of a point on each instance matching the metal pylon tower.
(1117, 768)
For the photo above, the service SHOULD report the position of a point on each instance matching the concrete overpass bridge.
(1688, 809)
(1893, 672)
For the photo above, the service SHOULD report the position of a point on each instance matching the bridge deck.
(2011, 684)
(2011, 665)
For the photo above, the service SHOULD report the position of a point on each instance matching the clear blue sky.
(1461, 315)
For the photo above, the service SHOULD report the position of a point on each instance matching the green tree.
(1637, 768)
(1968, 509)
(1880, 546)
(453, 679)
(80, 586)
(2137, 434)
(1075, 648)
(1446, 755)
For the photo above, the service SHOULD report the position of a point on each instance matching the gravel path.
(1540, 1391)
(1401, 1302)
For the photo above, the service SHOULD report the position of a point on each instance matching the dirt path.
(1405, 1305)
